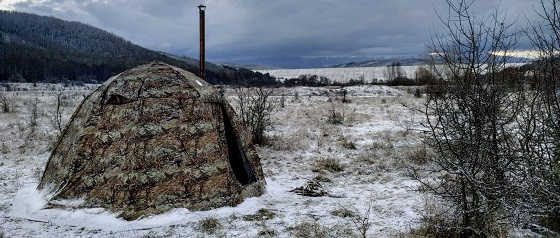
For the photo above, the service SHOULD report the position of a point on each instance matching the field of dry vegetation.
(333, 169)
(335, 166)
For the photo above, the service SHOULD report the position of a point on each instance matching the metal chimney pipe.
(202, 11)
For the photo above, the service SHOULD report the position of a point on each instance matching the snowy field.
(360, 163)
(340, 74)
(346, 74)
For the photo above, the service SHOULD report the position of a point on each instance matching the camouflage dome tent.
(151, 139)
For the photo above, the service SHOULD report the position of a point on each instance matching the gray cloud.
(249, 31)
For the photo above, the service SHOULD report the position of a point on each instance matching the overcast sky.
(273, 32)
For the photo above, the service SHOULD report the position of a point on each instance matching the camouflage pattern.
(148, 140)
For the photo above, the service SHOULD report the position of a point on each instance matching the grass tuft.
(328, 164)
(343, 212)
(261, 215)
(209, 225)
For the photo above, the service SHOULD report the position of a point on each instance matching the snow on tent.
(151, 139)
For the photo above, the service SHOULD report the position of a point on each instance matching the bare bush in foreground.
(255, 107)
(470, 123)
(541, 132)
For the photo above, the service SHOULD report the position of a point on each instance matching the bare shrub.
(335, 116)
(4, 149)
(37, 172)
(344, 94)
(283, 101)
(541, 120)
(470, 124)
(407, 122)
(435, 221)
(417, 93)
(6, 103)
(255, 108)
(362, 222)
(56, 119)
(33, 115)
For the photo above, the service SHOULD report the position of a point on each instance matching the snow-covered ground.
(371, 147)
(346, 74)
(340, 74)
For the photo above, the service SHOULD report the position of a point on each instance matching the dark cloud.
(257, 31)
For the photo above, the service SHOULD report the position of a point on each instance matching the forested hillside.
(46, 49)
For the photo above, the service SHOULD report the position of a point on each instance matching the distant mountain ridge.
(382, 62)
(408, 62)
(37, 48)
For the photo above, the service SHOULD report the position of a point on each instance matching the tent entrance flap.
(237, 158)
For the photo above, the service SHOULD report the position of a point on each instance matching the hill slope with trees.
(46, 49)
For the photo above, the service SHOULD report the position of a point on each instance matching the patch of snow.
(303, 138)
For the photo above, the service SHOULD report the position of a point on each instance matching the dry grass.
(343, 212)
(261, 215)
(304, 140)
(209, 225)
(348, 144)
(7, 103)
(438, 221)
(419, 155)
(322, 178)
(328, 164)
(309, 229)
(315, 230)
(4, 149)
(292, 142)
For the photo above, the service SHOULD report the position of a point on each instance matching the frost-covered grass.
(360, 163)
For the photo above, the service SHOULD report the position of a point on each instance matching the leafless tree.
(541, 132)
(343, 92)
(255, 107)
(423, 76)
(393, 71)
(470, 122)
